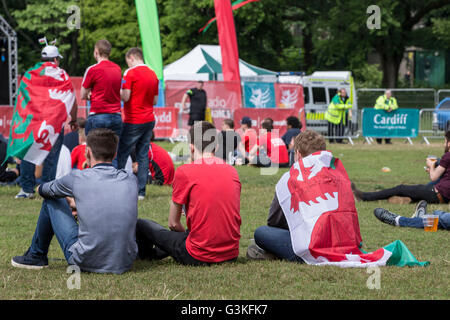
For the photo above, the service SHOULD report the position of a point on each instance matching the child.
(78, 154)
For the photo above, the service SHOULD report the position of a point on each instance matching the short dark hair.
(136, 52)
(200, 138)
(229, 122)
(294, 122)
(104, 47)
(308, 142)
(81, 122)
(267, 124)
(49, 59)
(103, 143)
(447, 135)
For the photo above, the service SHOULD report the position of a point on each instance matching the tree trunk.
(390, 62)
(308, 46)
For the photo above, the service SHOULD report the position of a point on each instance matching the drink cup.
(432, 158)
(430, 222)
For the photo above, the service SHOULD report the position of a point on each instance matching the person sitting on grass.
(6, 174)
(209, 191)
(416, 221)
(439, 193)
(103, 199)
(274, 150)
(228, 141)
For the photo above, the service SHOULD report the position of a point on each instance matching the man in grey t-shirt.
(103, 199)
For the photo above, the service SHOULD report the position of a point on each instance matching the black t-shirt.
(291, 133)
(198, 101)
(228, 141)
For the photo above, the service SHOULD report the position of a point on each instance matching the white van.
(319, 88)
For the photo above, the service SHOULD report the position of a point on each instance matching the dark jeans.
(415, 192)
(56, 219)
(444, 221)
(263, 161)
(277, 241)
(139, 136)
(150, 234)
(380, 141)
(111, 121)
(335, 130)
(27, 169)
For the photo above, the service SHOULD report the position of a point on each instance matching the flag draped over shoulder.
(319, 206)
(45, 98)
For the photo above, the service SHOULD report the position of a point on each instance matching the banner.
(400, 123)
(166, 122)
(6, 113)
(227, 40)
(147, 14)
(289, 96)
(278, 115)
(259, 95)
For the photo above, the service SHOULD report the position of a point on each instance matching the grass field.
(249, 279)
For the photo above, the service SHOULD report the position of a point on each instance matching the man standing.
(139, 92)
(209, 190)
(101, 85)
(197, 106)
(46, 86)
(336, 115)
(387, 103)
(103, 199)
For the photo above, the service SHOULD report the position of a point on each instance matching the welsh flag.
(319, 206)
(45, 99)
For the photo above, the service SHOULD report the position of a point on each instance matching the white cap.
(50, 52)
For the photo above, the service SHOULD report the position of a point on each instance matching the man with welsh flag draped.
(45, 98)
(313, 218)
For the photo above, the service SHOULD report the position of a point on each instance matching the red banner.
(222, 97)
(289, 96)
(166, 122)
(6, 113)
(278, 115)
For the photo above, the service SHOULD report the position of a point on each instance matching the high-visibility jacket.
(337, 109)
(384, 103)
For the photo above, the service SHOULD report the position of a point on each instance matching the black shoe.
(385, 216)
(421, 209)
(29, 261)
(357, 193)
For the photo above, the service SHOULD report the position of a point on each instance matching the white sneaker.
(141, 197)
(24, 195)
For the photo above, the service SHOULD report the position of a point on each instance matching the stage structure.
(8, 74)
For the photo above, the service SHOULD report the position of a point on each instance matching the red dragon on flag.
(319, 206)
(45, 99)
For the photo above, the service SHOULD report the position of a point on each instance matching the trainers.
(421, 209)
(399, 200)
(357, 193)
(24, 195)
(256, 253)
(29, 261)
(141, 197)
(385, 216)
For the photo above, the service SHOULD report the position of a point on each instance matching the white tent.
(204, 62)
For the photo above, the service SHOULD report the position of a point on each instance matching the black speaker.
(4, 72)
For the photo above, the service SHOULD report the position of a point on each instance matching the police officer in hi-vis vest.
(336, 115)
(387, 103)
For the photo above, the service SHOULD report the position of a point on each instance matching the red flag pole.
(227, 40)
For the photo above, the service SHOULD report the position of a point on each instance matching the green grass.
(249, 279)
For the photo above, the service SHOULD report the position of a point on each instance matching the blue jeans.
(56, 219)
(444, 221)
(111, 121)
(27, 169)
(139, 136)
(277, 241)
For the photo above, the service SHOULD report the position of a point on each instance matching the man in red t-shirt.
(161, 165)
(139, 93)
(209, 191)
(249, 138)
(276, 153)
(101, 85)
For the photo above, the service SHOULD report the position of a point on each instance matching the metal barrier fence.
(441, 94)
